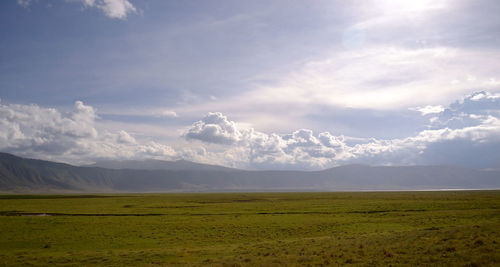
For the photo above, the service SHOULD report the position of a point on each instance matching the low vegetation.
(364, 228)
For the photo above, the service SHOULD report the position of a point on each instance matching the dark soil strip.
(77, 214)
(383, 211)
(56, 196)
(18, 213)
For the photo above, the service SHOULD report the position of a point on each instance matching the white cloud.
(30, 130)
(124, 137)
(469, 127)
(303, 149)
(469, 111)
(429, 109)
(250, 148)
(169, 114)
(117, 9)
(214, 128)
(483, 95)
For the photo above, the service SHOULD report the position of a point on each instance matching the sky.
(301, 85)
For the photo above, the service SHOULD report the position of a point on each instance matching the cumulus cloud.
(117, 9)
(304, 149)
(124, 137)
(214, 128)
(466, 133)
(246, 145)
(34, 131)
(472, 110)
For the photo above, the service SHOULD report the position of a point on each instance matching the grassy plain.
(252, 229)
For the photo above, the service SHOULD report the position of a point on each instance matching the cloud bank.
(33, 131)
(470, 128)
(465, 133)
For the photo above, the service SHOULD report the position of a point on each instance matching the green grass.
(249, 229)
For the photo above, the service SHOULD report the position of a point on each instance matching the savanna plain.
(451, 228)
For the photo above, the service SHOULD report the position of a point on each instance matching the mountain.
(153, 164)
(21, 175)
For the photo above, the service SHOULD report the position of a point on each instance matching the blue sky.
(252, 84)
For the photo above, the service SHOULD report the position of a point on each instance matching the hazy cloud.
(381, 78)
(169, 114)
(24, 3)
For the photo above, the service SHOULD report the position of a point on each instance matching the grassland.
(252, 229)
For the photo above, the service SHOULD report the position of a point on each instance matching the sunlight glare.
(407, 6)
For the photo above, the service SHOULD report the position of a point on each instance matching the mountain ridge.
(21, 175)
(154, 164)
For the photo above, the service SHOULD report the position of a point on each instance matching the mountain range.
(22, 175)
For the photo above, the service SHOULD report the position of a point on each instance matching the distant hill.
(153, 164)
(20, 175)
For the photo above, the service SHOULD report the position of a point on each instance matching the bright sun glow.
(404, 6)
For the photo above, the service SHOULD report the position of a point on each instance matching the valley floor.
(455, 228)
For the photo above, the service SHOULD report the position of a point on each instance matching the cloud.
(214, 128)
(24, 3)
(429, 109)
(124, 137)
(472, 110)
(374, 79)
(117, 9)
(168, 114)
(466, 132)
(380, 78)
(30, 130)
(304, 149)
(251, 148)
